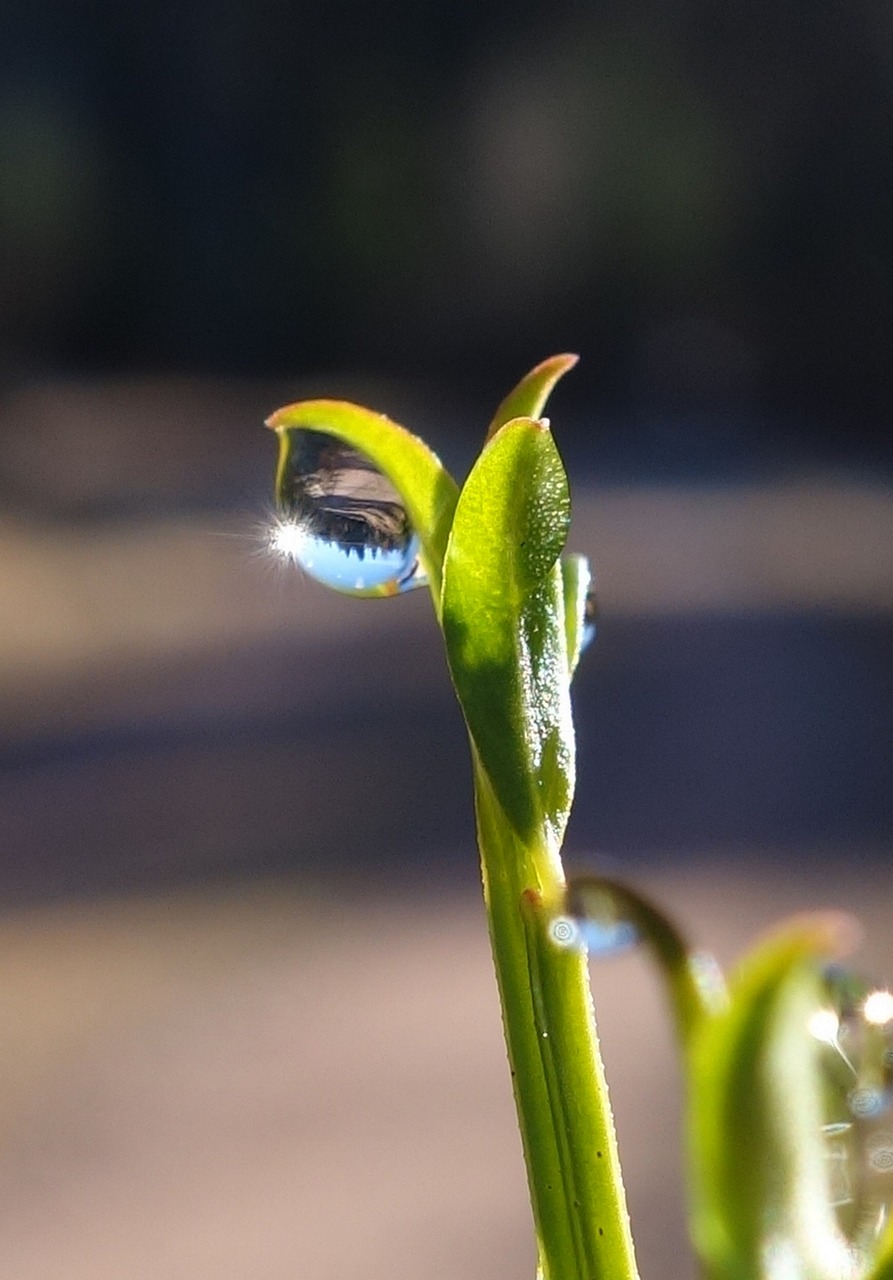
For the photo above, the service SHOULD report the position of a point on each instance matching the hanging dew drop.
(594, 920)
(597, 937)
(590, 618)
(342, 520)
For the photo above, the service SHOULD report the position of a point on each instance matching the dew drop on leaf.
(855, 1029)
(343, 521)
(590, 618)
(593, 920)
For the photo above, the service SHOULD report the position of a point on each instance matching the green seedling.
(788, 1174)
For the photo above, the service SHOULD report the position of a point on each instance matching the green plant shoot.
(366, 507)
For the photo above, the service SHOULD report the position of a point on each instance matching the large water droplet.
(855, 1028)
(343, 521)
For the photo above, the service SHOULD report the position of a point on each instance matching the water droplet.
(594, 921)
(880, 1153)
(707, 977)
(855, 1030)
(609, 937)
(590, 618)
(865, 1103)
(599, 937)
(343, 521)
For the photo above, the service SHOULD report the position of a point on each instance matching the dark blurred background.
(208, 210)
(697, 198)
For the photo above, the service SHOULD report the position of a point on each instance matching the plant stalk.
(564, 1112)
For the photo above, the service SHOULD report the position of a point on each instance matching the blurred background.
(249, 1028)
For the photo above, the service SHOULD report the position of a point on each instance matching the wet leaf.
(503, 620)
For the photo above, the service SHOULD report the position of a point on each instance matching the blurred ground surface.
(249, 1027)
(740, 693)
(271, 1082)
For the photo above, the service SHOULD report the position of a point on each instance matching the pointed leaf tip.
(528, 398)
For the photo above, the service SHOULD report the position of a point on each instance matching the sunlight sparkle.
(286, 539)
(824, 1025)
(878, 1008)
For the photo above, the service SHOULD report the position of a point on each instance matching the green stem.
(564, 1113)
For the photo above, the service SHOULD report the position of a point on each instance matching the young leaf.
(693, 980)
(503, 620)
(762, 1203)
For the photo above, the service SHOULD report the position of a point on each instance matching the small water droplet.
(856, 1038)
(594, 921)
(865, 1103)
(590, 618)
(609, 937)
(707, 976)
(343, 521)
(880, 1153)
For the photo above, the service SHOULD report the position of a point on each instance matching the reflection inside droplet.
(856, 1039)
(880, 1153)
(342, 520)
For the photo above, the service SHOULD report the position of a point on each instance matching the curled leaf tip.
(529, 397)
(556, 365)
(565, 361)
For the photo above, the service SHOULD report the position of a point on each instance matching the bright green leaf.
(762, 1204)
(503, 620)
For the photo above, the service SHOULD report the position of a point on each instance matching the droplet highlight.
(342, 520)
(854, 1028)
